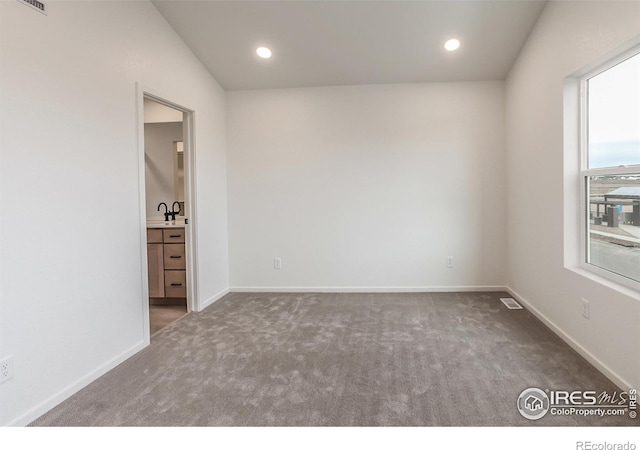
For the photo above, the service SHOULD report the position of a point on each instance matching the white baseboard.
(369, 289)
(215, 298)
(56, 399)
(606, 371)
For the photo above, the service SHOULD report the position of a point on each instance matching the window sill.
(609, 280)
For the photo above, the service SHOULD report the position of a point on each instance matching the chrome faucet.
(166, 211)
(173, 210)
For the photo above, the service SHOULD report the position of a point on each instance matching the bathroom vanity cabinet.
(166, 263)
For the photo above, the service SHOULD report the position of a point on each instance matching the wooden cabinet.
(155, 256)
(166, 261)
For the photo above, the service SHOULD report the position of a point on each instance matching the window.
(610, 168)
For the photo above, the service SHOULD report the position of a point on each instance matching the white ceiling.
(331, 43)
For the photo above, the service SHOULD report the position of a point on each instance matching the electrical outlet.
(6, 369)
(585, 308)
(277, 263)
(449, 262)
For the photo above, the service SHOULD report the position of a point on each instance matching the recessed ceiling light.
(263, 52)
(452, 44)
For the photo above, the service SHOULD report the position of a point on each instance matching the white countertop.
(154, 222)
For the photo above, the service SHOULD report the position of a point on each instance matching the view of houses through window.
(614, 224)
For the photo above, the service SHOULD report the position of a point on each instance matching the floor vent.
(511, 303)
(35, 4)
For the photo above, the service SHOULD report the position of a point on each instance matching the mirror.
(179, 174)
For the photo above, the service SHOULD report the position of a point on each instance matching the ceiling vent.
(511, 303)
(35, 4)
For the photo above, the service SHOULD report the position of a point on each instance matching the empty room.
(319, 213)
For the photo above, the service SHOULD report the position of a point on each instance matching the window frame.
(585, 172)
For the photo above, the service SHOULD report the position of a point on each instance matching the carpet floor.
(423, 359)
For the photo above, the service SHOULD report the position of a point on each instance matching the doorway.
(167, 212)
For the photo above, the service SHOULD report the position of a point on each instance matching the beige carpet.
(342, 360)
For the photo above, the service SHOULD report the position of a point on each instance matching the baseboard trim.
(56, 399)
(211, 300)
(369, 289)
(593, 360)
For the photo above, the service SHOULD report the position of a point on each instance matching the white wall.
(71, 295)
(367, 187)
(160, 161)
(567, 37)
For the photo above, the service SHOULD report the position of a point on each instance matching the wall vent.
(35, 4)
(511, 303)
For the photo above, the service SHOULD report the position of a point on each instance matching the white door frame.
(188, 137)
